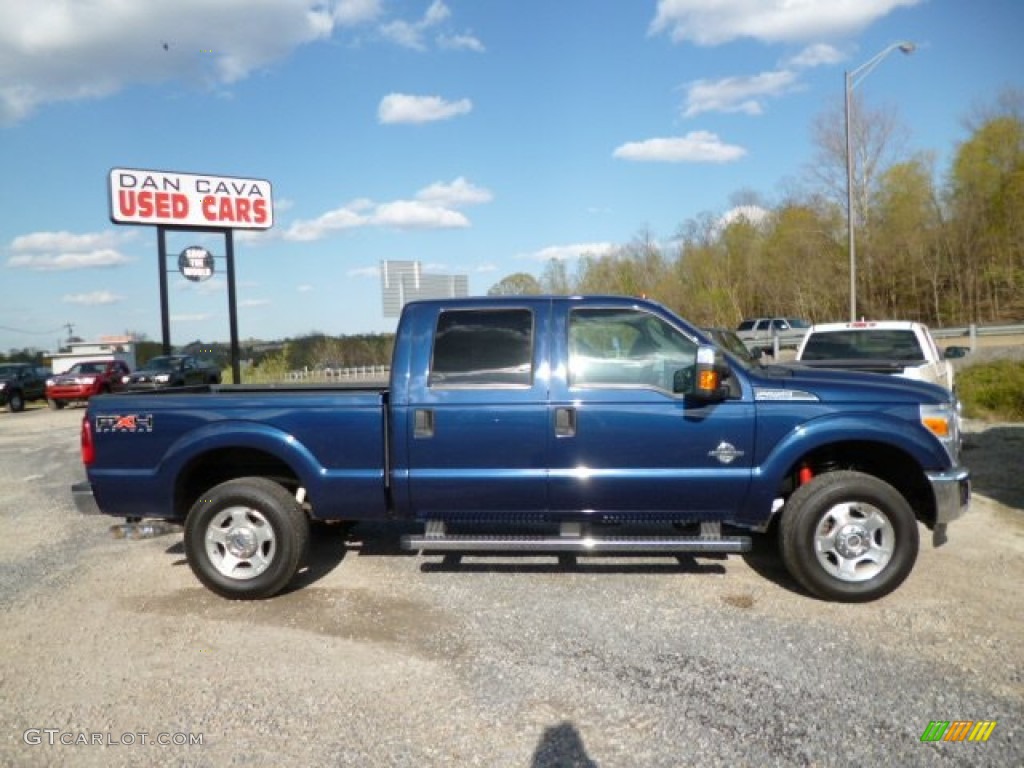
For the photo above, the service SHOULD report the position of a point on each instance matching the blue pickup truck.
(578, 425)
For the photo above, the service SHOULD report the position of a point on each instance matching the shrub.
(993, 391)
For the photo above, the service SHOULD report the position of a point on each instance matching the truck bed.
(151, 447)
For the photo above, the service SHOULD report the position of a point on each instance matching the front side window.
(483, 348)
(625, 347)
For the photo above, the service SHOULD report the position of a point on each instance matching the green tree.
(518, 284)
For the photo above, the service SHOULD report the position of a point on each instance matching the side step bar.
(572, 538)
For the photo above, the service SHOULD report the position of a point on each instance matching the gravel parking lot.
(380, 658)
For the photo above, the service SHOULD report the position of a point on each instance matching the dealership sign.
(189, 200)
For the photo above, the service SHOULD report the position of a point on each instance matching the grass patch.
(992, 391)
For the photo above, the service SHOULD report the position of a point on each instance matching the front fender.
(831, 430)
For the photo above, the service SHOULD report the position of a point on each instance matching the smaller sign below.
(196, 264)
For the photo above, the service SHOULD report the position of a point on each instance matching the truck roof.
(878, 325)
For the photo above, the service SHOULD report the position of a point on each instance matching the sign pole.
(165, 316)
(229, 252)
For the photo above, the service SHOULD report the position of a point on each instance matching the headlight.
(125, 379)
(3, 384)
(49, 382)
(162, 378)
(943, 421)
(86, 380)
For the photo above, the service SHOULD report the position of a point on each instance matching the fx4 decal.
(134, 422)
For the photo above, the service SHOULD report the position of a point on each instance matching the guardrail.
(972, 332)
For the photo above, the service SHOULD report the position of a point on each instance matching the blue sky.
(478, 137)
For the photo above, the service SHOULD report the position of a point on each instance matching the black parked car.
(173, 371)
(21, 382)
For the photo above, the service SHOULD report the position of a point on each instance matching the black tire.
(246, 539)
(55, 405)
(15, 402)
(867, 532)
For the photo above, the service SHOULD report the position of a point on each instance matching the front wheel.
(246, 539)
(15, 402)
(848, 537)
(55, 405)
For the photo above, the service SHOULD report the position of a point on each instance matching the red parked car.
(85, 379)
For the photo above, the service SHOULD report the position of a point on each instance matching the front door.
(623, 441)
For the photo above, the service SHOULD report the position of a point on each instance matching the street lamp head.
(907, 48)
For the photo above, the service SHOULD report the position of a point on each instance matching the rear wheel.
(55, 405)
(246, 539)
(849, 537)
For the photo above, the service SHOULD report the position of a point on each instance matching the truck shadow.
(991, 455)
(764, 560)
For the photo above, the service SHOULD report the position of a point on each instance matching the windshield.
(88, 368)
(7, 371)
(162, 364)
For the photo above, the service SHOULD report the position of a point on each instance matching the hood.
(846, 386)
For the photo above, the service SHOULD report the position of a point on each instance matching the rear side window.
(746, 325)
(483, 348)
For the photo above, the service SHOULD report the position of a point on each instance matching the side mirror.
(703, 380)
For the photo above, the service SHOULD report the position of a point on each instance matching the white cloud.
(351, 13)
(754, 214)
(64, 241)
(59, 262)
(92, 299)
(435, 207)
(54, 50)
(414, 214)
(409, 34)
(695, 147)
(463, 42)
(712, 22)
(304, 288)
(737, 94)
(815, 56)
(254, 303)
(458, 192)
(405, 108)
(573, 251)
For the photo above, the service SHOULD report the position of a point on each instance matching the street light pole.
(851, 79)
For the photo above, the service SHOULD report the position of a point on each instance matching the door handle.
(423, 423)
(565, 422)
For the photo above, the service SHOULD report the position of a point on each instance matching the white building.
(107, 348)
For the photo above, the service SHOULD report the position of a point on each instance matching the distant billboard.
(189, 200)
(405, 281)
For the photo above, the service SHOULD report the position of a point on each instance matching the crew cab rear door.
(622, 441)
(475, 426)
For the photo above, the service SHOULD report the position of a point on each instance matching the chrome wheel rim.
(854, 541)
(240, 543)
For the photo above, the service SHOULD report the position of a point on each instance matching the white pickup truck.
(895, 347)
